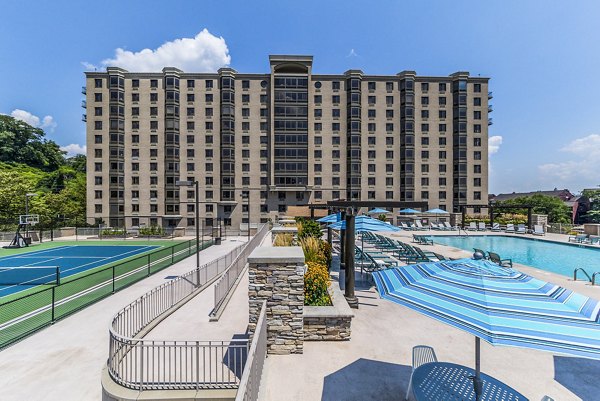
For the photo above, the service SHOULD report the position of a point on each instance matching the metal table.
(443, 381)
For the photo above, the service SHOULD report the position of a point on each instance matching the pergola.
(492, 207)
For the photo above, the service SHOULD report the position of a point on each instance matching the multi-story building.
(257, 143)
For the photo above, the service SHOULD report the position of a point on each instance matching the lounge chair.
(496, 227)
(448, 226)
(538, 230)
(494, 257)
(472, 226)
(404, 226)
(481, 226)
(421, 355)
(510, 228)
(419, 226)
(521, 229)
(594, 240)
(433, 226)
(422, 240)
(579, 238)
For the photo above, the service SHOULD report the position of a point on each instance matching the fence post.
(113, 279)
(172, 254)
(148, 264)
(53, 300)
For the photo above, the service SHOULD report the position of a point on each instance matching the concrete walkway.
(376, 363)
(64, 362)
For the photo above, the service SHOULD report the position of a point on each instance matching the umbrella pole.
(477, 382)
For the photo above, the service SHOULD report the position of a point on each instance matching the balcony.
(84, 118)
(84, 104)
(490, 95)
(490, 121)
(83, 90)
(490, 108)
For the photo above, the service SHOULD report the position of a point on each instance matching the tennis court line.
(68, 257)
(24, 255)
(139, 250)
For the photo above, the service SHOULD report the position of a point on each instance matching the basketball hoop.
(29, 219)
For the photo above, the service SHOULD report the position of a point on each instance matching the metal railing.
(251, 378)
(173, 365)
(24, 315)
(228, 279)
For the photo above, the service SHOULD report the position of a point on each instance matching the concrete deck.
(376, 363)
(64, 362)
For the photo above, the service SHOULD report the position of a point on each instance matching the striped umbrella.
(500, 305)
(332, 218)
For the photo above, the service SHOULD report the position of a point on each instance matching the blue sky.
(542, 57)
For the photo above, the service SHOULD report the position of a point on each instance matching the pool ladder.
(591, 279)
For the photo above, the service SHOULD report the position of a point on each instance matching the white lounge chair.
(421, 355)
(448, 226)
(496, 227)
(481, 226)
(472, 226)
(510, 228)
(404, 226)
(538, 230)
(521, 229)
(419, 226)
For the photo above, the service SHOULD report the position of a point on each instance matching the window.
(476, 141)
(154, 83)
(153, 124)
(97, 124)
(245, 84)
(442, 87)
(98, 97)
(153, 138)
(389, 141)
(97, 166)
(424, 181)
(389, 86)
(477, 115)
(371, 168)
(389, 168)
(424, 113)
(442, 127)
(335, 85)
(335, 140)
(389, 154)
(424, 86)
(98, 83)
(335, 154)
(424, 194)
(476, 87)
(477, 182)
(477, 155)
(425, 141)
(442, 154)
(477, 195)
(98, 208)
(318, 113)
(389, 127)
(425, 127)
(335, 168)
(318, 99)
(442, 101)
(153, 111)
(389, 194)
(335, 127)
(424, 154)
(424, 100)
(208, 84)
(424, 168)
(208, 112)
(442, 181)
(371, 100)
(335, 99)
(389, 113)
(389, 100)
(371, 113)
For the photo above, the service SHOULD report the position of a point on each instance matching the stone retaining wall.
(276, 274)
(329, 323)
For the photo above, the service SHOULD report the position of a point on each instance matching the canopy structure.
(332, 218)
(378, 210)
(365, 223)
(499, 305)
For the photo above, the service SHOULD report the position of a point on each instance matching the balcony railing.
(84, 117)
(490, 95)
(490, 108)
(84, 104)
(490, 121)
(84, 90)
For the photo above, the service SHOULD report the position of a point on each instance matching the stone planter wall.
(329, 323)
(276, 274)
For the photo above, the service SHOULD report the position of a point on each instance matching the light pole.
(246, 195)
(196, 186)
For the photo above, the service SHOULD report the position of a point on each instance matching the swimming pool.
(544, 255)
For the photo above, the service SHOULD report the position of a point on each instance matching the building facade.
(258, 143)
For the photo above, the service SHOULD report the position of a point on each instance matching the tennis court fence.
(22, 315)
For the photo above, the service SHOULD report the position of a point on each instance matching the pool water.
(544, 255)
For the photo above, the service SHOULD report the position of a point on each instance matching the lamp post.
(246, 195)
(196, 186)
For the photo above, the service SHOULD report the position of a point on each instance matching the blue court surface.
(71, 259)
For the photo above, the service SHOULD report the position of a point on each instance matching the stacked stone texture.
(282, 286)
(327, 328)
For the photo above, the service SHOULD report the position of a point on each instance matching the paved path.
(64, 362)
(376, 363)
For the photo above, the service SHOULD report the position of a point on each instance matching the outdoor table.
(443, 381)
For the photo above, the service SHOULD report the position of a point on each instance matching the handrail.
(231, 274)
(580, 269)
(172, 365)
(594, 277)
(251, 378)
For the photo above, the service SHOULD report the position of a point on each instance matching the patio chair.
(510, 228)
(494, 257)
(449, 226)
(481, 226)
(579, 238)
(521, 229)
(594, 240)
(496, 227)
(404, 226)
(433, 226)
(538, 230)
(472, 226)
(421, 354)
(419, 226)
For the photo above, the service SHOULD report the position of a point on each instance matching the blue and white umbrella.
(366, 223)
(332, 218)
(378, 210)
(500, 305)
(409, 211)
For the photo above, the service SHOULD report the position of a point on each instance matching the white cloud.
(47, 123)
(202, 53)
(89, 66)
(74, 149)
(494, 143)
(577, 173)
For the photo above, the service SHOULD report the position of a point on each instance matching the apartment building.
(258, 143)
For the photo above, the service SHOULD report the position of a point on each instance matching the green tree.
(22, 143)
(593, 215)
(555, 208)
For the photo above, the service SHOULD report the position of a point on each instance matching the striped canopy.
(364, 224)
(332, 218)
(500, 305)
(378, 210)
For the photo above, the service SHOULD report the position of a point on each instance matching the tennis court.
(39, 267)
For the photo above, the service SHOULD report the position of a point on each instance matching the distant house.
(578, 204)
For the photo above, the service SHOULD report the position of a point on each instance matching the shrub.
(308, 228)
(316, 282)
(283, 240)
(113, 231)
(327, 251)
(152, 230)
(382, 217)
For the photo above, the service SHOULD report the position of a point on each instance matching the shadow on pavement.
(367, 379)
(578, 375)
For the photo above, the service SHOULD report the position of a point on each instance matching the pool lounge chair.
(594, 240)
(448, 226)
(422, 240)
(472, 226)
(538, 230)
(481, 226)
(510, 228)
(496, 227)
(521, 229)
(405, 226)
(494, 257)
(579, 238)
(419, 226)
